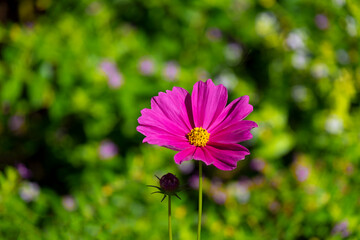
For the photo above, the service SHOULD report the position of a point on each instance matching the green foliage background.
(297, 60)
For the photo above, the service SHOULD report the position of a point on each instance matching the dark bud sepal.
(169, 185)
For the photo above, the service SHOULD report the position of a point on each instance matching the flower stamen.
(198, 137)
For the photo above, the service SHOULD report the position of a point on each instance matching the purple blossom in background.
(187, 167)
(342, 229)
(349, 169)
(171, 71)
(258, 180)
(115, 79)
(219, 196)
(16, 122)
(5, 107)
(321, 21)
(214, 34)
(301, 172)
(68, 203)
(29, 191)
(146, 66)
(94, 8)
(107, 149)
(216, 183)
(257, 164)
(274, 206)
(29, 25)
(194, 181)
(23, 171)
(245, 182)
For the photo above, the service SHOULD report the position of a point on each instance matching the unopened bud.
(169, 183)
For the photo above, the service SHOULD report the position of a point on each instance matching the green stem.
(200, 200)
(170, 232)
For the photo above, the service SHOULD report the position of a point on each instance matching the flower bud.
(169, 183)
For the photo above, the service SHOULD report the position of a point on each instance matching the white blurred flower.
(319, 70)
(351, 26)
(29, 191)
(233, 53)
(334, 125)
(339, 3)
(265, 24)
(299, 93)
(239, 191)
(295, 40)
(299, 60)
(342, 57)
(227, 78)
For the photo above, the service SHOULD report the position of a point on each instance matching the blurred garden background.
(74, 76)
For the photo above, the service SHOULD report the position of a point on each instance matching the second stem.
(170, 232)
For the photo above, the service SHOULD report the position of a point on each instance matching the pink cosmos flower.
(200, 126)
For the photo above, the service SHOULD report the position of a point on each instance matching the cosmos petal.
(226, 156)
(202, 155)
(196, 153)
(235, 133)
(168, 141)
(176, 106)
(236, 111)
(167, 122)
(208, 101)
(185, 155)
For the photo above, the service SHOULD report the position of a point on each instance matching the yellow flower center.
(198, 137)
